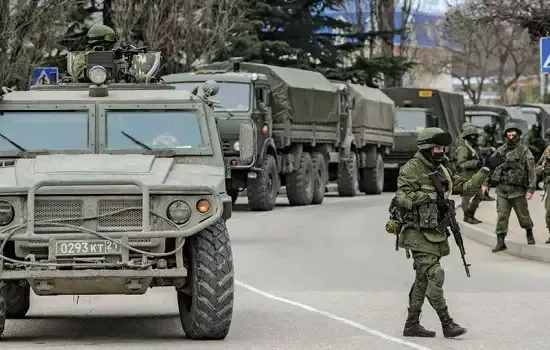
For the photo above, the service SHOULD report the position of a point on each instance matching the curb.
(522, 250)
(282, 191)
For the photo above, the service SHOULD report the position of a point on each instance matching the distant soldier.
(534, 141)
(456, 144)
(99, 37)
(417, 200)
(543, 168)
(488, 138)
(515, 184)
(468, 163)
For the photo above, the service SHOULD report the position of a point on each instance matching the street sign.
(545, 55)
(44, 75)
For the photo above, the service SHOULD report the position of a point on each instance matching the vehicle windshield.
(409, 120)
(530, 117)
(153, 129)
(44, 130)
(234, 97)
(481, 120)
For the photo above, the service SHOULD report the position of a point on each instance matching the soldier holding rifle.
(425, 219)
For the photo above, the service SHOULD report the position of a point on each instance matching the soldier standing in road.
(543, 168)
(468, 163)
(515, 184)
(534, 141)
(416, 198)
(456, 144)
(488, 142)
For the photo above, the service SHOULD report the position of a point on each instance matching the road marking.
(332, 316)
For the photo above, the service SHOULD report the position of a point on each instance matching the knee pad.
(439, 277)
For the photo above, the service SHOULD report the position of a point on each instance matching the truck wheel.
(3, 305)
(206, 301)
(347, 176)
(299, 183)
(321, 174)
(234, 194)
(262, 191)
(372, 179)
(18, 300)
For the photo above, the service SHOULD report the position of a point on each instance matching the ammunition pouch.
(393, 227)
(511, 172)
(428, 216)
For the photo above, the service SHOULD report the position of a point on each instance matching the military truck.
(301, 121)
(535, 113)
(373, 118)
(110, 187)
(499, 116)
(417, 109)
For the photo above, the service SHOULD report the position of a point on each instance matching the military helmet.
(465, 125)
(469, 131)
(512, 126)
(100, 33)
(432, 137)
(489, 128)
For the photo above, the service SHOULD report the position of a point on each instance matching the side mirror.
(248, 142)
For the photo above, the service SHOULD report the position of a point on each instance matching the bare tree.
(29, 30)
(185, 31)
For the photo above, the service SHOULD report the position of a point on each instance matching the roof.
(114, 95)
(243, 77)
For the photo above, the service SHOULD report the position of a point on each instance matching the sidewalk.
(515, 240)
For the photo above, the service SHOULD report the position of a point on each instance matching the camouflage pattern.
(543, 170)
(415, 190)
(534, 141)
(468, 162)
(487, 138)
(144, 66)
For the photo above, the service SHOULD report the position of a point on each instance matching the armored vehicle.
(113, 188)
(300, 117)
(417, 109)
(535, 113)
(499, 116)
(372, 121)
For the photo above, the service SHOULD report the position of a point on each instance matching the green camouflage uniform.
(534, 141)
(468, 163)
(98, 35)
(514, 178)
(543, 169)
(487, 138)
(417, 198)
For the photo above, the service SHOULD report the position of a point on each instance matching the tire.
(3, 305)
(234, 194)
(300, 183)
(372, 179)
(262, 191)
(18, 300)
(347, 176)
(206, 303)
(321, 176)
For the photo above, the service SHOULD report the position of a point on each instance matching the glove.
(495, 160)
(479, 164)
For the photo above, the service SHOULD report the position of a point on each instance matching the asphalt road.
(317, 277)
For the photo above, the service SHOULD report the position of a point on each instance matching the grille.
(131, 218)
(65, 211)
(226, 146)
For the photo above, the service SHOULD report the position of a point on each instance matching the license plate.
(79, 248)
(391, 165)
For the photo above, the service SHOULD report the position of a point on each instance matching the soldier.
(416, 198)
(515, 184)
(543, 168)
(488, 139)
(468, 163)
(98, 37)
(457, 143)
(534, 141)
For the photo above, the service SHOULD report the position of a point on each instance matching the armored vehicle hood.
(149, 169)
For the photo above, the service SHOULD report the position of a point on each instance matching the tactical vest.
(512, 171)
(427, 216)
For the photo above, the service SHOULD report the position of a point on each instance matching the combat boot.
(450, 328)
(548, 241)
(470, 220)
(500, 244)
(413, 328)
(529, 235)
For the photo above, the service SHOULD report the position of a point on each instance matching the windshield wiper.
(12, 143)
(136, 141)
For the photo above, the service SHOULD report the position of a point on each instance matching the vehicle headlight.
(7, 213)
(237, 146)
(179, 212)
(97, 75)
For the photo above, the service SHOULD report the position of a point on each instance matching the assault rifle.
(449, 225)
